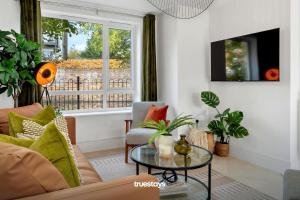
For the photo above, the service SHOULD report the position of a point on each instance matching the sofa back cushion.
(24, 172)
(28, 111)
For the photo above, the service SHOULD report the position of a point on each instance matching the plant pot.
(210, 141)
(222, 149)
(164, 146)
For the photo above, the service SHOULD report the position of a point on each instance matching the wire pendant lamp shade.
(182, 9)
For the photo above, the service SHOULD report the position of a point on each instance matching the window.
(95, 64)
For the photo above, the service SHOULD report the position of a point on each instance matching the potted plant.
(18, 58)
(225, 125)
(162, 137)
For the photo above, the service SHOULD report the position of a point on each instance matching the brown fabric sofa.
(92, 187)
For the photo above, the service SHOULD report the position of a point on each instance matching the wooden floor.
(103, 153)
(263, 180)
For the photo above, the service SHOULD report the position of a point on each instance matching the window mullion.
(105, 69)
(133, 63)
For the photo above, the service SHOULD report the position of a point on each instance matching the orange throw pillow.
(24, 172)
(156, 113)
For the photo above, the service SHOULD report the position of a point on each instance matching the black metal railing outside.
(89, 101)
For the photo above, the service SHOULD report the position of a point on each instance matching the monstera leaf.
(237, 131)
(216, 127)
(226, 124)
(226, 112)
(235, 118)
(3, 89)
(210, 99)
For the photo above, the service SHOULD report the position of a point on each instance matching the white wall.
(267, 106)
(182, 58)
(193, 45)
(10, 19)
(167, 51)
(101, 131)
(295, 81)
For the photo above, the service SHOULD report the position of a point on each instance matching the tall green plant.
(18, 58)
(164, 128)
(226, 123)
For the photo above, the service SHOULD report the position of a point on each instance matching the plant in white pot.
(162, 137)
(225, 125)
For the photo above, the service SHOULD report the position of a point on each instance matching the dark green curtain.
(149, 79)
(31, 28)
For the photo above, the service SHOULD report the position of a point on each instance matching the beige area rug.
(223, 188)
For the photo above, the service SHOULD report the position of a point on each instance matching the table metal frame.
(174, 169)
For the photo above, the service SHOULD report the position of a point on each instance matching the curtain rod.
(95, 7)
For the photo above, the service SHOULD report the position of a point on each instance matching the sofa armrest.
(113, 190)
(71, 121)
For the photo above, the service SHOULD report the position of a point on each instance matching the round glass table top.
(148, 156)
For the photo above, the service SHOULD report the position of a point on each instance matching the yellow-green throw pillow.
(52, 144)
(33, 130)
(16, 141)
(43, 117)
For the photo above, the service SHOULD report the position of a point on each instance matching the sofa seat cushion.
(87, 173)
(139, 135)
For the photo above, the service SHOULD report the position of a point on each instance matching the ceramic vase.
(164, 146)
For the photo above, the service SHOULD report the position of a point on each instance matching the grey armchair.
(134, 134)
(291, 184)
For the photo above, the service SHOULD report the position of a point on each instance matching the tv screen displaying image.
(253, 57)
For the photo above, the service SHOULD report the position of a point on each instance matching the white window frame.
(106, 25)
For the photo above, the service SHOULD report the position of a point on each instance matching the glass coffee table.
(176, 185)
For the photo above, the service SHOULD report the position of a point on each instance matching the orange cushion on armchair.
(156, 113)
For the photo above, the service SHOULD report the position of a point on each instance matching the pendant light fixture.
(182, 9)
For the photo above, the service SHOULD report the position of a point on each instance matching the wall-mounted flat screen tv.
(253, 57)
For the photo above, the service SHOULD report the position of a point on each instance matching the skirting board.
(264, 161)
(101, 144)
